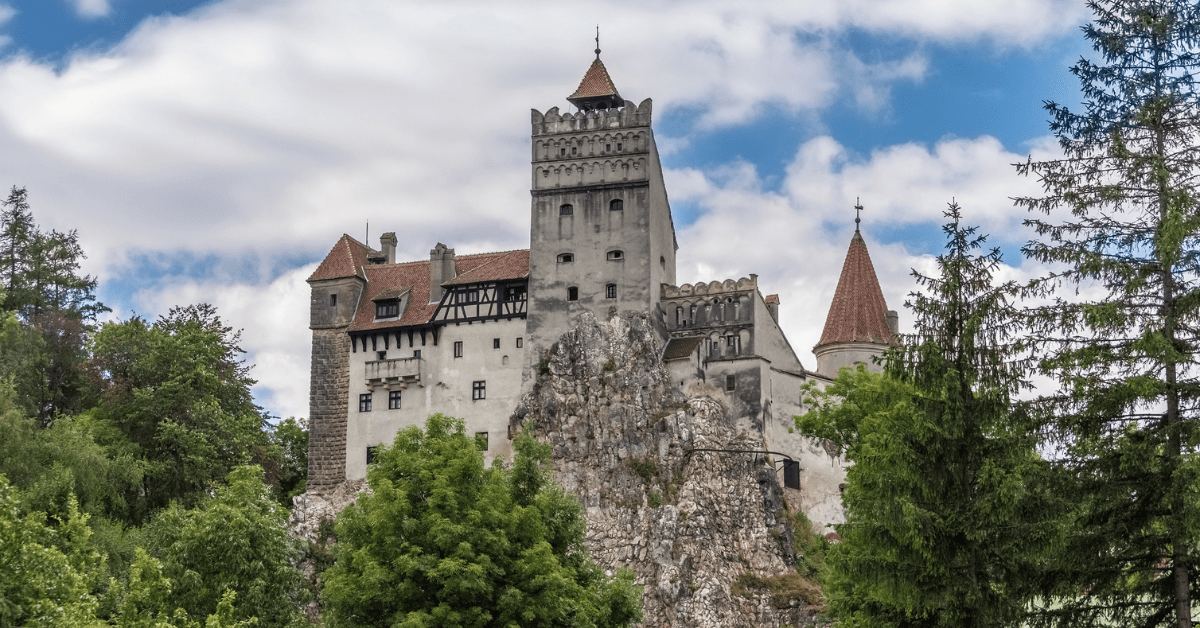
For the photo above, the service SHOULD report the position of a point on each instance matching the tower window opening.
(607, 147)
(333, 300)
(616, 205)
(364, 402)
(572, 293)
(573, 150)
(393, 400)
(616, 256)
(478, 390)
(458, 349)
(565, 209)
(610, 291)
(566, 258)
(618, 146)
(730, 382)
(495, 343)
(562, 152)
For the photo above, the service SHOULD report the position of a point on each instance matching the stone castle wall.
(328, 397)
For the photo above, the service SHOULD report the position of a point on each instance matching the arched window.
(616, 205)
(610, 291)
(566, 258)
(616, 256)
(565, 209)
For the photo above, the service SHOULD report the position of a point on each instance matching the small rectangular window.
(458, 348)
(616, 256)
(565, 209)
(466, 296)
(572, 293)
(364, 402)
(333, 300)
(372, 453)
(417, 353)
(481, 441)
(514, 293)
(387, 309)
(730, 382)
(495, 343)
(382, 355)
(610, 291)
(478, 390)
(565, 258)
(393, 400)
(518, 343)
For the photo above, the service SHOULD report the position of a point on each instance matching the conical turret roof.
(858, 312)
(596, 90)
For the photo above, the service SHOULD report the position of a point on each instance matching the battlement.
(712, 287)
(552, 122)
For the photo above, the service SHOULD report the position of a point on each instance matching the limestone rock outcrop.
(689, 524)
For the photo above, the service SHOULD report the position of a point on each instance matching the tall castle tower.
(859, 325)
(601, 235)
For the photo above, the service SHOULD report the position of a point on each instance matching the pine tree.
(940, 500)
(1121, 329)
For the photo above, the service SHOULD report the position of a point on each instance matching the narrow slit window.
(333, 300)
(458, 349)
(495, 343)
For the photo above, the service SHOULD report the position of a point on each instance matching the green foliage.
(810, 548)
(1119, 329)
(939, 500)
(786, 590)
(443, 541)
(645, 468)
(40, 583)
(655, 499)
(178, 396)
(289, 453)
(236, 541)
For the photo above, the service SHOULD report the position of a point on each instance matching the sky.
(215, 151)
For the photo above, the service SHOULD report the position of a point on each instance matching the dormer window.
(565, 209)
(566, 258)
(616, 256)
(387, 309)
(466, 296)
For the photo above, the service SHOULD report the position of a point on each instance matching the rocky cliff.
(691, 525)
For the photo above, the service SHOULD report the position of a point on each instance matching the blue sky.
(214, 151)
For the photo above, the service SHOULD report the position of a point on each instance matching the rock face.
(688, 524)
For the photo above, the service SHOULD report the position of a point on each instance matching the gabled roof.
(596, 90)
(681, 347)
(346, 259)
(384, 280)
(858, 312)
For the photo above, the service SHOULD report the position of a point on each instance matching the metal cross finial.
(857, 208)
(597, 41)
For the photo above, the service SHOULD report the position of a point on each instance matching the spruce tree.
(1121, 324)
(944, 521)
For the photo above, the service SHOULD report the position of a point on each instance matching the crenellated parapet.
(630, 116)
(710, 288)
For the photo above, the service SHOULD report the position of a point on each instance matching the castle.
(394, 342)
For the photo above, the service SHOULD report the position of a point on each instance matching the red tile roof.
(596, 84)
(345, 259)
(492, 267)
(385, 279)
(771, 299)
(858, 312)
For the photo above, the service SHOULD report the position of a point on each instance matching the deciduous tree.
(444, 541)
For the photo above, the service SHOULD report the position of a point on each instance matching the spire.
(858, 312)
(596, 90)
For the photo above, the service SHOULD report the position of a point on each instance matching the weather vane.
(857, 208)
(597, 41)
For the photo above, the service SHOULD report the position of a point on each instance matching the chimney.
(893, 321)
(441, 270)
(387, 244)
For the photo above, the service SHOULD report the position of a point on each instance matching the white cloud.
(91, 9)
(796, 238)
(274, 320)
